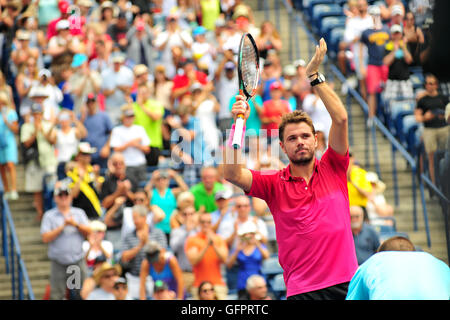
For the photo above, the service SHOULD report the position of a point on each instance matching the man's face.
(299, 143)
(84, 158)
(356, 217)
(362, 6)
(205, 222)
(243, 207)
(118, 163)
(259, 291)
(209, 177)
(430, 84)
(139, 221)
(64, 199)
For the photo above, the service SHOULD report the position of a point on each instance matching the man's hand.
(316, 60)
(240, 107)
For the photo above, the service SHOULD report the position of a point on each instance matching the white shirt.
(355, 27)
(227, 227)
(319, 114)
(66, 144)
(121, 135)
(207, 117)
(226, 89)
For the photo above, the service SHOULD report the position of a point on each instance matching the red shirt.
(76, 23)
(182, 81)
(312, 223)
(271, 109)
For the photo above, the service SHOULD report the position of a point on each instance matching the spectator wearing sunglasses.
(206, 291)
(64, 228)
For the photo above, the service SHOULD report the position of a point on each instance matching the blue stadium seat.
(311, 4)
(409, 123)
(417, 80)
(397, 110)
(278, 287)
(271, 267)
(321, 11)
(336, 36)
(329, 23)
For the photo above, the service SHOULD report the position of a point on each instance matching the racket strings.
(249, 65)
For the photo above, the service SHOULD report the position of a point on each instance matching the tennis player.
(308, 199)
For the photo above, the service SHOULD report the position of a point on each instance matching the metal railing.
(418, 179)
(14, 263)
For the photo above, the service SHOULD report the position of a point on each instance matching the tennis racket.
(248, 72)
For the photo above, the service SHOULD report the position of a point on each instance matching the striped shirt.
(131, 241)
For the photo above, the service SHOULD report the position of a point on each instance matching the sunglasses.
(139, 199)
(109, 276)
(207, 290)
(430, 83)
(242, 205)
(205, 221)
(63, 194)
(118, 163)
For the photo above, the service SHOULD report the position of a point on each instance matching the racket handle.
(238, 132)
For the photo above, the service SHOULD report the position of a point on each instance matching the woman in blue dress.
(249, 254)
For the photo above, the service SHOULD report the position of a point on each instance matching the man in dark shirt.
(430, 111)
(376, 72)
(118, 31)
(397, 58)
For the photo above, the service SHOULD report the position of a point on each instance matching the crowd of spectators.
(126, 105)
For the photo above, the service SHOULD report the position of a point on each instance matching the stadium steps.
(404, 211)
(34, 252)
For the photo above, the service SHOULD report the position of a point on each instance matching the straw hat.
(106, 266)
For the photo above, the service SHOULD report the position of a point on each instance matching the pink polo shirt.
(312, 222)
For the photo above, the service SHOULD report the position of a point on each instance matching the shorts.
(398, 89)
(336, 292)
(376, 75)
(8, 153)
(435, 138)
(34, 177)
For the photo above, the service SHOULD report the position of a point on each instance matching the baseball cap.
(246, 227)
(229, 65)
(222, 194)
(44, 72)
(64, 116)
(396, 10)
(199, 31)
(289, 70)
(97, 225)
(63, 24)
(299, 63)
(127, 111)
(122, 15)
(374, 10)
(90, 97)
(140, 69)
(140, 25)
(85, 147)
(63, 6)
(78, 60)
(63, 187)
(276, 85)
(160, 286)
(120, 280)
(118, 58)
(396, 28)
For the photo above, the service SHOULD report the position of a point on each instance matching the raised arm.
(234, 170)
(338, 138)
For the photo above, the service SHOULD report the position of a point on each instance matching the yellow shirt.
(358, 177)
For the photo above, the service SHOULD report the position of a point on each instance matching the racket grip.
(238, 134)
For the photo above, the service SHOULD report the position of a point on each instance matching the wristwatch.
(320, 78)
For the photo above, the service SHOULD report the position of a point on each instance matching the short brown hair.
(397, 243)
(294, 117)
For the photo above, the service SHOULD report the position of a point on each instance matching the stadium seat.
(397, 110)
(321, 11)
(271, 267)
(417, 80)
(329, 23)
(336, 36)
(386, 235)
(278, 287)
(309, 6)
(410, 125)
